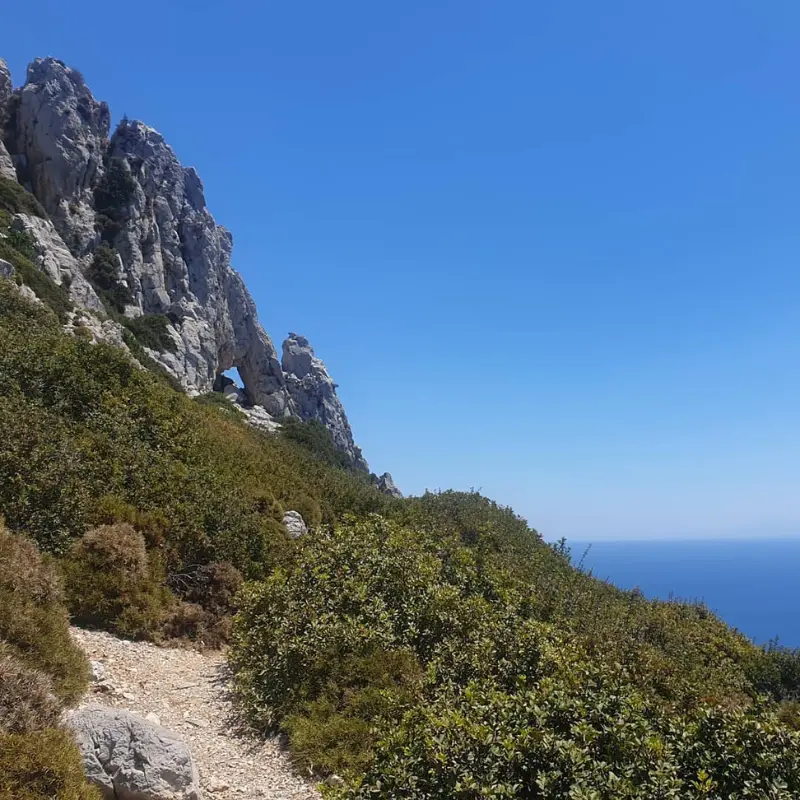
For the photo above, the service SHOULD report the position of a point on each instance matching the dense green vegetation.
(17, 248)
(431, 647)
(104, 276)
(41, 670)
(111, 198)
(15, 200)
(91, 439)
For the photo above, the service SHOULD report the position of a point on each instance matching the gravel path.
(187, 691)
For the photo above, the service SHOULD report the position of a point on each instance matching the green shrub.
(112, 195)
(33, 621)
(112, 583)
(27, 700)
(42, 766)
(104, 276)
(151, 330)
(218, 401)
(16, 200)
(18, 249)
(316, 438)
(335, 733)
(209, 602)
(586, 735)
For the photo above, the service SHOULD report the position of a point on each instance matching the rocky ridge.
(125, 200)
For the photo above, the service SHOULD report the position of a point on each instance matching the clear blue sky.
(547, 249)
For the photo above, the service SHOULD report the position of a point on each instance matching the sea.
(754, 584)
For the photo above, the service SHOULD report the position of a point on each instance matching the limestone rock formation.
(55, 259)
(6, 91)
(126, 756)
(313, 393)
(387, 485)
(59, 137)
(127, 198)
(295, 524)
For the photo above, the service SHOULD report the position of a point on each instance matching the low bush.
(114, 583)
(208, 604)
(27, 700)
(16, 200)
(33, 621)
(42, 766)
(16, 248)
(104, 276)
(151, 330)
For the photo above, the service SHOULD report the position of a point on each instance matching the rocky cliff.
(128, 234)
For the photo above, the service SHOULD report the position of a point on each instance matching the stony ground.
(187, 692)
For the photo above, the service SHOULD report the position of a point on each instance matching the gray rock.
(61, 131)
(173, 256)
(387, 485)
(6, 86)
(6, 269)
(313, 394)
(295, 524)
(55, 260)
(129, 758)
(98, 670)
(6, 90)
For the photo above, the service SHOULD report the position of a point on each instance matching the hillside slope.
(419, 647)
(423, 647)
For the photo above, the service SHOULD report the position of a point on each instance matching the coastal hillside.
(402, 647)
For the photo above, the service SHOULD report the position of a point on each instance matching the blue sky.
(548, 250)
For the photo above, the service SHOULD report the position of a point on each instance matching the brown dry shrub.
(191, 623)
(33, 621)
(114, 583)
(42, 766)
(27, 700)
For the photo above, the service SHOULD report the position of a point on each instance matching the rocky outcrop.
(59, 137)
(387, 485)
(176, 261)
(313, 394)
(55, 259)
(295, 524)
(129, 758)
(6, 91)
(130, 193)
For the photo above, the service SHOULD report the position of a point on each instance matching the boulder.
(295, 524)
(6, 269)
(129, 758)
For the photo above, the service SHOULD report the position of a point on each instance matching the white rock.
(98, 670)
(313, 392)
(128, 757)
(295, 524)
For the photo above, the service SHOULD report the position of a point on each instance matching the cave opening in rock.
(230, 382)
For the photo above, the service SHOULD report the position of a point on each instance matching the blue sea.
(754, 585)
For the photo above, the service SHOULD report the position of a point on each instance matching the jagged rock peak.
(128, 202)
(60, 134)
(387, 485)
(6, 86)
(313, 394)
(7, 169)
